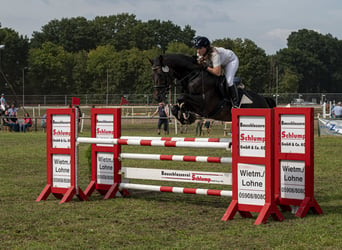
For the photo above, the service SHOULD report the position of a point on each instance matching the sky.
(268, 23)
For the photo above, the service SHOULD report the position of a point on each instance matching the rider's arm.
(215, 71)
(216, 65)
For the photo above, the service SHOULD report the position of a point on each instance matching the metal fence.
(147, 99)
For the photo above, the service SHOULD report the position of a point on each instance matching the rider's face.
(201, 51)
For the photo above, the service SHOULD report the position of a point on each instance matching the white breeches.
(230, 70)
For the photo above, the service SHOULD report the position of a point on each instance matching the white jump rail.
(157, 143)
(208, 159)
(195, 139)
(180, 190)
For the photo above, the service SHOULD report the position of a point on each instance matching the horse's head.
(162, 77)
(167, 68)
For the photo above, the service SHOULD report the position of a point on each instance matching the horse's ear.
(161, 59)
(150, 60)
(165, 68)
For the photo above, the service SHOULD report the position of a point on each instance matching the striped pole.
(158, 143)
(180, 190)
(177, 139)
(207, 159)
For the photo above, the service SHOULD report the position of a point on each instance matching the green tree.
(116, 30)
(316, 58)
(288, 83)
(99, 66)
(73, 34)
(51, 70)
(181, 48)
(123, 31)
(13, 59)
(80, 76)
(125, 71)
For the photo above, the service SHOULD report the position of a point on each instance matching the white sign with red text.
(178, 175)
(292, 134)
(104, 127)
(252, 136)
(251, 184)
(61, 131)
(292, 179)
(61, 173)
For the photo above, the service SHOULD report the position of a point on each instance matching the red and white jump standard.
(253, 166)
(62, 155)
(294, 160)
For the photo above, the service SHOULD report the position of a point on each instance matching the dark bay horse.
(203, 94)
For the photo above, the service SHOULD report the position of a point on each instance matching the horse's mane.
(180, 61)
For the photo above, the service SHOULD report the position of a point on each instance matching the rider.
(213, 58)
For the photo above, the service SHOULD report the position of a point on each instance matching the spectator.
(78, 109)
(207, 125)
(163, 118)
(27, 123)
(7, 121)
(3, 103)
(199, 126)
(43, 123)
(337, 110)
(12, 113)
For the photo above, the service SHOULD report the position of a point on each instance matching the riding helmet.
(200, 42)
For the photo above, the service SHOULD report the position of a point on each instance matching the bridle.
(163, 71)
(169, 75)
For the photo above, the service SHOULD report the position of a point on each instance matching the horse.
(203, 94)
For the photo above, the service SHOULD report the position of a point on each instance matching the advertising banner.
(329, 127)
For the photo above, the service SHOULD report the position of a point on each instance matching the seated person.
(7, 121)
(27, 123)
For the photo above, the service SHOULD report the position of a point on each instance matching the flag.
(76, 101)
(123, 101)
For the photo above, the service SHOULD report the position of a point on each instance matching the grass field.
(147, 220)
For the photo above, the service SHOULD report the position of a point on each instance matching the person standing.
(214, 59)
(163, 118)
(12, 114)
(12, 111)
(337, 110)
(3, 104)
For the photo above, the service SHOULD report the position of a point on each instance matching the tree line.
(80, 56)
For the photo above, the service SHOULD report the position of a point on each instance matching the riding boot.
(234, 96)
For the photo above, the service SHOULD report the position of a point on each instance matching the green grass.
(148, 220)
